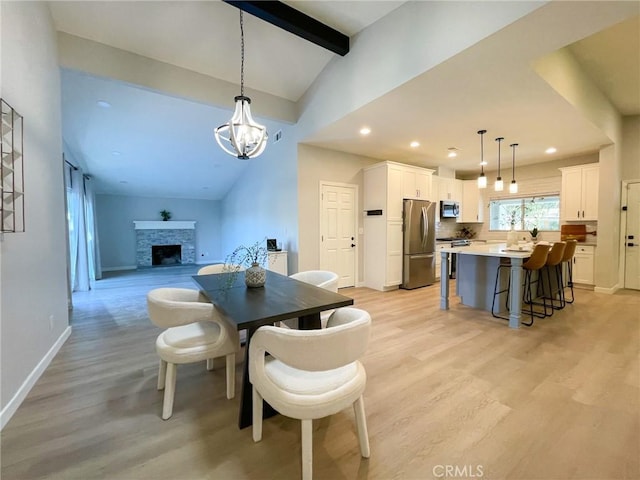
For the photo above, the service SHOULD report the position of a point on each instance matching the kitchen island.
(477, 266)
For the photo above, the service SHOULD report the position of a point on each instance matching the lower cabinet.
(583, 265)
(278, 262)
(439, 247)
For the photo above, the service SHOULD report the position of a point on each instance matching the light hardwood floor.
(454, 390)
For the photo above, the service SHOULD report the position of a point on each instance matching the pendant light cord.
(241, 55)
(499, 140)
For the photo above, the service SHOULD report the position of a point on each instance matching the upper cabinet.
(445, 188)
(416, 182)
(579, 195)
(471, 206)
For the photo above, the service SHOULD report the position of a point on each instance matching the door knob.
(353, 245)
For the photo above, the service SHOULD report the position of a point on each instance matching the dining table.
(249, 308)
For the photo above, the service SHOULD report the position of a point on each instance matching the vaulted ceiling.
(145, 131)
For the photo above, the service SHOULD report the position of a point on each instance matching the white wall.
(631, 147)
(263, 202)
(316, 164)
(116, 213)
(35, 319)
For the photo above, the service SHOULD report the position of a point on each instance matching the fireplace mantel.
(162, 225)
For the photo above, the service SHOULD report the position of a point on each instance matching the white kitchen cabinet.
(472, 205)
(416, 182)
(439, 247)
(579, 195)
(583, 265)
(383, 196)
(278, 262)
(447, 188)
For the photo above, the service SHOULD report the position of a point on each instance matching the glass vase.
(512, 237)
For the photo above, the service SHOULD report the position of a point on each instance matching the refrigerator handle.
(425, 226)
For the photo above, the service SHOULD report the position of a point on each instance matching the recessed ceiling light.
(116, 153)
(414, 144)
(551, 150)
(103, 104)
(453, 152)
(365, 131)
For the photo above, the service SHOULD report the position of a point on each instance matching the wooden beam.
(293, 21)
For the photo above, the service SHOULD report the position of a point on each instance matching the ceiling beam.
(293, 21)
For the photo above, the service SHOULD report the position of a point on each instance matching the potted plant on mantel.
(254, 257)
(166, 215)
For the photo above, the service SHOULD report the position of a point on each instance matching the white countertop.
(489, 250)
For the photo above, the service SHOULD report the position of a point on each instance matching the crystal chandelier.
(242, 137)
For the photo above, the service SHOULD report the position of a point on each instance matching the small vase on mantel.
(255, 276)
(512, 237)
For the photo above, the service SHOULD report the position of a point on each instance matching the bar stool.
(567, 258)
(553, 261)
(534, 263)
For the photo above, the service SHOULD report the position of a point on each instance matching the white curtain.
(84, 264)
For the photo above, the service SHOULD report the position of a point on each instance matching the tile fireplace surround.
(150, 233)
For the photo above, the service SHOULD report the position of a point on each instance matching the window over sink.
(525, 213)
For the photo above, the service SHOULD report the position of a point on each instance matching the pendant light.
(242, 137)
(499, 185)
(513, 187)
(482, 180)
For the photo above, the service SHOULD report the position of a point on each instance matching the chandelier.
(242, 137)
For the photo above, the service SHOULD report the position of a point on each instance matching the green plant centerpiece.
(254, 257)
(534, 233)
(166, 215)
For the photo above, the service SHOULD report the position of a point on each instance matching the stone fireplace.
(174, 243)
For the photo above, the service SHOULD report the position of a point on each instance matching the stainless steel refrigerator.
(418, 259)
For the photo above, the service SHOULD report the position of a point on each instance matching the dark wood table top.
(281, 298)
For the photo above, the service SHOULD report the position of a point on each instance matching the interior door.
(632, 238)
(338, 232)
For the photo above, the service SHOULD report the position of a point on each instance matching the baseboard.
(116, 269)
(609, 291)
(11, 407)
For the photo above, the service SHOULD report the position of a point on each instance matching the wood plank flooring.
(448, 391)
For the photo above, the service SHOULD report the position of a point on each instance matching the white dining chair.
(310, 374)
(320, 278)
(194, 331)
(219, 268)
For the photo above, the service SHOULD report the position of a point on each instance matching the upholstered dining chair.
(195, 331)
(310, 374)
(219, 268)
(320, 278)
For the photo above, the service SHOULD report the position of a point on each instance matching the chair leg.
(209, 364)
(307, 449)
(570, 281)
(231, 375)
(361, 423)
(169, 391)
(257, 415)
(162, 373)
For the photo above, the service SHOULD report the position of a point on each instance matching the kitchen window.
(525, 213)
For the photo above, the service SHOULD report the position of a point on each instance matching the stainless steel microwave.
(449, 209)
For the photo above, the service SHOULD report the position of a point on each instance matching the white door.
(632, 238)
(338, 232)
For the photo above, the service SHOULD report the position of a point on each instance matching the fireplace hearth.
(166, 255)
